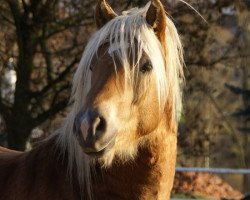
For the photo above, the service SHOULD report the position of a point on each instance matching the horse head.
(124, 87)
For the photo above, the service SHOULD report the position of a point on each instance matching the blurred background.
(41, 43)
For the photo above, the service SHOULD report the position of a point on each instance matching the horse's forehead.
(109, 50)
(117, 47)
(103, 54)
(103, 58)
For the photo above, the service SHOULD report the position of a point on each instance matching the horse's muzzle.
(91, 131)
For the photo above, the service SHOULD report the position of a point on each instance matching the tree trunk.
(19, 125)
(17, 139)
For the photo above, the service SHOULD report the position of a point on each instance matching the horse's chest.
(133, 181)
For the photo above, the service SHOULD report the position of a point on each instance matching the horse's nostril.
(101, 125)
(97, 123)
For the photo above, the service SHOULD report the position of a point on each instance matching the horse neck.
(149, 176)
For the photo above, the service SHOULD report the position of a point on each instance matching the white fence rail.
(213, 170)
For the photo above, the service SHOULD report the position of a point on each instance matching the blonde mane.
(129, 29)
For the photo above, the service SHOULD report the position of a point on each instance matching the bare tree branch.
(230, 127)
(219, 60)
(55, 81)
(25, 6)
(58, 92)
(15, 11)
(5, 110)
(47, 57)
(6, 18)
(50, 112)
(67, 24)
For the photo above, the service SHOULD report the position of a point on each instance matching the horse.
(118, 142)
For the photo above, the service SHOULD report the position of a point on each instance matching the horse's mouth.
(102, 151)
(96, 154)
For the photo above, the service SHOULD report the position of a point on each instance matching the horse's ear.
(156, 18)
(103, 13)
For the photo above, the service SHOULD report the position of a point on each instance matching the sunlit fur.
(131, 26)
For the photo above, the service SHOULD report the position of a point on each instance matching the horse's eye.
(146, 67)
(90, 68)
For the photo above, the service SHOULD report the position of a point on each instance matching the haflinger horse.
(119, 140)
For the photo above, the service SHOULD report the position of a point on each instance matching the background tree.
(216, 54)
(42, 42)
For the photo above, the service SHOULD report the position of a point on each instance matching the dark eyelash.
(146, 67)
